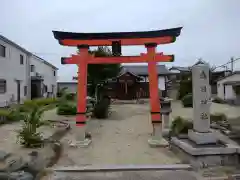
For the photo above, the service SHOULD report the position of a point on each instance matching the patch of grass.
(218, 100)
(218, 117)
(180, 126)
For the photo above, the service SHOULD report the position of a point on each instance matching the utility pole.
(232, 61)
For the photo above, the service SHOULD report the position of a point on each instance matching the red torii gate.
(150, 39)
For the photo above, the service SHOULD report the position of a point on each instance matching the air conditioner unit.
(32, 73)
(39, 75)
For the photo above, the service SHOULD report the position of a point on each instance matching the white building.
(225, 86)
(17, 82)
(43, 77)
(70, 87)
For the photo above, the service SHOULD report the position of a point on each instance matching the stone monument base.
(202, 138)
(203, 156)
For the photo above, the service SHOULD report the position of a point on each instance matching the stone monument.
(201, 133)
(204, 147)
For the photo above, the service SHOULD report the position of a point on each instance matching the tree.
(99, 73)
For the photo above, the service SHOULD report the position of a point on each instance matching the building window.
(32, 68)
(45, 88)
(54, 73)
(21, 59)
(3, 86)
(53, 87)
(2, 51)
(25, 90)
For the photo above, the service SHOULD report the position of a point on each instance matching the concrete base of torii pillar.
(157, 139)
(82, 139)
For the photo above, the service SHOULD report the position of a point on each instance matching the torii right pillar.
(156, 140)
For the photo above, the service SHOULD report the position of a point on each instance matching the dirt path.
(120, 140)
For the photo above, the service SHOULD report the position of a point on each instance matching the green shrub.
(66, 109)
(39, 102)
(28, 136)
(184, 88)
(4, 112)
(187, 100)
(180, 126)
(62, 92)
(218, 100)
(10, 115)
(101, 109)
(23, 108)
(15, 115)
(218, 117)
(70, 96)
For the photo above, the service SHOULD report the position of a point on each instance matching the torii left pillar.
(156, 139)
(81, 118)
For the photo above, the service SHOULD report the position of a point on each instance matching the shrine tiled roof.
(143, 70)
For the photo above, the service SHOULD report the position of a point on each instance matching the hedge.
(187, 100)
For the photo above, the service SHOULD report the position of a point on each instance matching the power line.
(229, 62)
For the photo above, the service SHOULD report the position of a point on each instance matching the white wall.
(11, 69)
(229, 92)
(161, 82)
(71, 86)
(220, 86)
(46, 71)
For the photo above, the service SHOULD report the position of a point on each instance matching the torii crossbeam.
(149, 39)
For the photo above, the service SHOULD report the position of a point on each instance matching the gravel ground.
(122, 139)
(9, 140)
(125, 135)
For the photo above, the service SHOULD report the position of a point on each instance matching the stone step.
(123, 168)
(129, 175)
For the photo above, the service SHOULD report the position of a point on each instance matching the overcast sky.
(211, 28)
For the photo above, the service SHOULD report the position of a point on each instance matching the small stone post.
(201, 133)
(166, 123)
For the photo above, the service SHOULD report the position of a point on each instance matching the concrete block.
(202, 138)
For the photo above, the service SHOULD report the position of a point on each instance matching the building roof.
(234, 83)
(8, 41)
(179, 68)
(143, 70)
(235, 72)
(125, 72)
(14, 44)
(67, 82)
(45, 62)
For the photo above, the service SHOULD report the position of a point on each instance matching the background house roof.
(233, 83)
(235, 72)
(143, 70)
(179, 68)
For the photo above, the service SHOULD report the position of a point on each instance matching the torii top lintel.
(125, 38)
